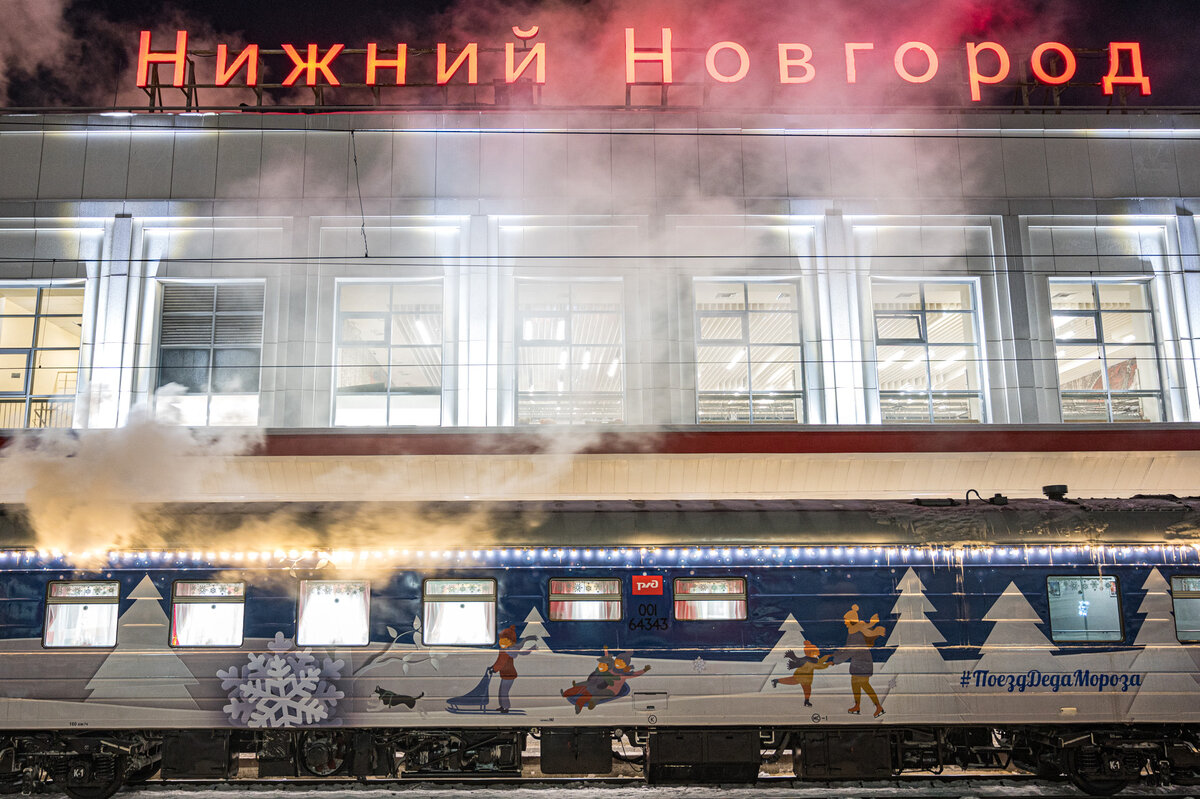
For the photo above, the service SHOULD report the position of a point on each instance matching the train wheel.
(1089, 783)
(105, 786)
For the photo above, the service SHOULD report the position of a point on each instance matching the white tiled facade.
(487, 207)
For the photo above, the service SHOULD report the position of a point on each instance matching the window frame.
(300, 595)
(1120, 610)
(212, 348)
(1174, 615)
(51, 600)
(388, 315)
(572, 404)
(974, 348)
(223, 600)
(798, 397)
(1102, 344)
(56, 403)
(618, 597)
(744, 596)
(494, 598)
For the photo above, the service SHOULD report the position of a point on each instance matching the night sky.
(79, 53)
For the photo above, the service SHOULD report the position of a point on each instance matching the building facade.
(1007, 278)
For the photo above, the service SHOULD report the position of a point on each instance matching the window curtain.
(199, 624)
(459, 623)
(81, 625)
(585, 610)
(339, 617)
(709, 609)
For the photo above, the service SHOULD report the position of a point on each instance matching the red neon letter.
(248, 58)
(178, 57)
(1114, 64)
(973, 51)
(470, 54)
(312, 65)
(632, 56)
(1068, 63)
(902, 70)
(399, 63)
(537, 54)
(710, 62)
(851, 47)
(786, 62)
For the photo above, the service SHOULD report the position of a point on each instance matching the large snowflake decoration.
(286, 687)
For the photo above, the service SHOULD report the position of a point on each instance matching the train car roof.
(349, 525)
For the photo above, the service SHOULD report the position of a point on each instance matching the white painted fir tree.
(915, 676)
(143, 668)
(1015, 645)
(535, 626)
(792, 640)
(1167, 668)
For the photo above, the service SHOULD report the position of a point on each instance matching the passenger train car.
(691, 661)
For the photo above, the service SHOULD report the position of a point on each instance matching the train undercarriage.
(93, 765)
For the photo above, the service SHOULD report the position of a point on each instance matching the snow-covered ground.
(982, 789)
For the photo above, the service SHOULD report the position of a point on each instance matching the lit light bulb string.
(611, 557)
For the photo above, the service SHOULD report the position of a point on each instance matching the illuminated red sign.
(647, 585)
(649, 59)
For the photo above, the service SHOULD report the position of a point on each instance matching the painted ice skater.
(860, 637)
(510, 648)
(803, 668)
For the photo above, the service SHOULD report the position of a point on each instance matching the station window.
(749, 364)
(389, 354)
(40, 331)
(1186, 593)
(710, 598)
(1106, 351)
(82, 614)
(207, 614)
(585, 600)
(459, 612)
(1084, 609)
(210, 353)
(927, 351)
(570, 352)
(334, 613)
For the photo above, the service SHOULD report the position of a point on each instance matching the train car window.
(459, 612)
(207, 614)
(334, 613)
(1084, 609)
(585, 599)
(1186, 593)
(82, 614)
(710, 598)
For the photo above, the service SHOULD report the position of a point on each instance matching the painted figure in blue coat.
(860, 637)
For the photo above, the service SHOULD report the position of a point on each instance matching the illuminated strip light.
(608, 556)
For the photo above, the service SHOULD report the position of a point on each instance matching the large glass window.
(749, 366)
(334, 613)
(207, 614)
(1185, 591)
(40, 330)
(570, 364)
(459, 612)
(585, 599)
(82, 613)
(1084, 608)
(710, 598)
(210, 353)
(1106, 350)
(389, 354)
(927, 351)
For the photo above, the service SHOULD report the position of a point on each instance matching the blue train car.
(702, 661)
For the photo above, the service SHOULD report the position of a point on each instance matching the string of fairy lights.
(616, 557)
